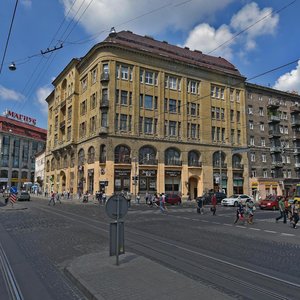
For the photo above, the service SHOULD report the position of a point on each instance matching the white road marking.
(204, 221)
(257, 229)
(215, 222)
(270, 231)
(227, 224)
(287, 234)
(239, 226)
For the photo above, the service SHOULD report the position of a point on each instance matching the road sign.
(116, 207)
(14, 190)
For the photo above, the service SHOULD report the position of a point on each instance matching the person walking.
(52, 199)
(250, 211)
(295, 214)
(200, 203)
(138, 198)
(214, 204)
(281, 206)
(162, 202)
(240, 213)
(57, 199)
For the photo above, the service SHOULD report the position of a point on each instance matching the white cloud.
(26, 3)
(249, 15)
(41, 95)
(7, 94)
(205, 38)
(179, 15)
(289, 81)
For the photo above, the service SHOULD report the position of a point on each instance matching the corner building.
(141, 115)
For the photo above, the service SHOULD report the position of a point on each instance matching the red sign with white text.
(20, 117)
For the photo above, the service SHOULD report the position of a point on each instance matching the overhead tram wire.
(9, 33)
(250, 26)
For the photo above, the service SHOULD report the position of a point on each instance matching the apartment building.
(20, 140)
(141, 115)
(274, 140)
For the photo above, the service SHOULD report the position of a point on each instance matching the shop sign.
(19, 117)
(148, 173)
(173, 173)
(104, 182)
(122, 173)
(3, 179)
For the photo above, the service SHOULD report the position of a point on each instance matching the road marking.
(195, 220)
(239, 226)
(227, 224)
(270, 231)
(287, 234)
(185, 218)
(257, 229)
(204, 221)
(215, 222)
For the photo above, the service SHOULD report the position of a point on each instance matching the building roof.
(20, 128)
(166, 50)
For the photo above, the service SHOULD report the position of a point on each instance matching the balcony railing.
(104, 103)
(195, 164)
(103, 130)
(274, 133)
(217, 165)
(277, 164)
(152, 162)
(295, 122)
(238, 166)
(122, 160)
(274, 118)
(104, 77)
(275, 149)
(173, 162)
(273, 104)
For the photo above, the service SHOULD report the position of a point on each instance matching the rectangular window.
(261, 111)
(149, 77)
(124, 95)
(251, 125)
(117, 96)
(252, 141)
(172, 83)
(262, 127)
(264, 158)
(231, 115)
(193, 87)
(124, 72)
(263, 142)
(117, 122)
(148, 125)
(222, 114)
(123, 122)
(141, 100)
(193, 109)
(222, 93)
(193, 131)
(231, 95)
(93, 101)
(237, 94)
(94, 75)
(265, 173)
(213, 133)
(217, 113)
(69, 132)
(172, 128)
(148, 104)
(232, 136)
(213, 112)
(172, 106)
(104, 119)
(93, 124)
(238, 116)
(84, 84)
(250, 110)
(252, 157)
(69, 112)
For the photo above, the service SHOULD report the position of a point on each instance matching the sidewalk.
(136, 278)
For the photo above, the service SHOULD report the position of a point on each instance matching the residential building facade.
(273, 127)
(140, 115)
(20, 140)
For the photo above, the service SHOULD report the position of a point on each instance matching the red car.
(271, 202)
(171, 199)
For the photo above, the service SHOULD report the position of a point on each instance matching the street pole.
(135, 177)
(220, 179)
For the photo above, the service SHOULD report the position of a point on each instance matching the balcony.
(274, 119)
(103, 130)
(104, 77)
(274, 149)
(197, 164)
(274, 133)
(296, 151)
(63, 105)
(295, 122)
(152, 162)
(238, 166)
(273, 105)
(295, 109)
(62, 125)
(122, 160)
(216, 165)
(277, 164)
(297, 165)
(296, 135)
(104, 103)
(173, 162)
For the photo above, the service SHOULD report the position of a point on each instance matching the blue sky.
(270, 41)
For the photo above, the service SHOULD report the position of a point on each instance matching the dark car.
(173, 199)
(24, 196)
(271, 202)
(207, 197)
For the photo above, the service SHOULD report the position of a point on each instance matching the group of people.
(54, 197)
(245, 213)
(101, 197)
(288, 212)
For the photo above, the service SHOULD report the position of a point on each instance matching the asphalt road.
(259, 261)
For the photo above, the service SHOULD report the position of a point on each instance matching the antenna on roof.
(113, 30)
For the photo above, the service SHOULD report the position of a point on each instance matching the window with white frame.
(253, 173)
(265, 173)
(281, 129)
(286, 130)
(260, 98)
(261, 111)
(289, 173)
(149, 77)
(213, 112)
(288, 159)
(124, 72)
(84, 84)
(264, 158)
(262, 126)
(250, 110)
(123, 122)
(252, 157)
(251, 125)
(263, 142)
(172, 128)
(237, 96)
(94, 75)
(252, 140)
(231, 95)
(193, 87)
(148, 125)
(222, 93)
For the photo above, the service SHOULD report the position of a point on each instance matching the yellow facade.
(117, 96)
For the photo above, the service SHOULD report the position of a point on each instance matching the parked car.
(24, 196)
(173, 199)
(207, 197)
(271, 202)
(235, 199)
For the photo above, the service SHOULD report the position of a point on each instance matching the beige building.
(142, 115)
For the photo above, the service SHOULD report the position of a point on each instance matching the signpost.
(116, 208)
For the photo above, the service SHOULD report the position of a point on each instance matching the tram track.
(232, 278)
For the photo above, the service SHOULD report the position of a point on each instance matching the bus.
(297, 193)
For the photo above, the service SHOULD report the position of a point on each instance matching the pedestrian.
(68, 193)
(281, 206)
(295, 214)
(128, 197)
(147, 197)
(240, 213)
(214, 204)
(162, 202)
(103, 197)
(138, 198)
(250, 207)
(52, 199)
(85, 197)
(57, 198)
(200, 203)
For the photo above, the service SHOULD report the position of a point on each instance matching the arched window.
(102, 154)
(172, 157)
(193, 159)
(52, 164)
(48, 166)
(91, 155)
(216, 160)
(81, 157)
(15, 174)
(58, 164)
(122, 154)
(147, 156)
(65, 161)
(72, 161)
(4, 174)
(236, 161)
